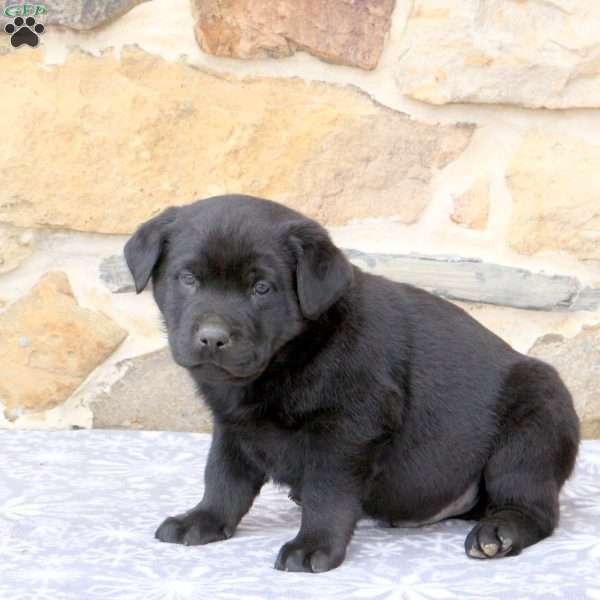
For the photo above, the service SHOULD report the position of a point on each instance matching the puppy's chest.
(279, 452)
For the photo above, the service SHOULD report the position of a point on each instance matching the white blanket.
(78, 511)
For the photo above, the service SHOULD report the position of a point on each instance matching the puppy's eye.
(261, 288)
(188, 279)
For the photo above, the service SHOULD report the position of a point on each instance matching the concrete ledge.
(451, 277)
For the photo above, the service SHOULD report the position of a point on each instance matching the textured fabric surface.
(78, 512)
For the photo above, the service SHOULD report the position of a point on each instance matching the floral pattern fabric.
(78, 511)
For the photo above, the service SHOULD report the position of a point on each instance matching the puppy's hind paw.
(491, 538)
(295, 497)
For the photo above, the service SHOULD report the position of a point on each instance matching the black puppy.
(364, 396)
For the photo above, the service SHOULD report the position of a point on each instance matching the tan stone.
(49, 345)
(535, 53)
(472, 208)
(577, 359)
(380, 166)
(338, 31)
(326, 150)
(555, 185)
(16, 245)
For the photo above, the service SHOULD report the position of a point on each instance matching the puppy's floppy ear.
(144, 248)
(323, 274)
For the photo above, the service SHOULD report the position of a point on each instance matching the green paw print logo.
(24, 28)
(24, 31)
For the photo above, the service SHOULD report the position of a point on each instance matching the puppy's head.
(236, 278)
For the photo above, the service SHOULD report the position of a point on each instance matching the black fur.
(364, 396)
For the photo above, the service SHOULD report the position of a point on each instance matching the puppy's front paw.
(193, 528)
(309, 558)
(492, 538)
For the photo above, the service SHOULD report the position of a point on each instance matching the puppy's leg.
(330, 510)
(231, 484)
(534, 456)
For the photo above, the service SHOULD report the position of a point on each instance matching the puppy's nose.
(213, 337)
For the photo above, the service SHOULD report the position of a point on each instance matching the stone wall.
(445, 129)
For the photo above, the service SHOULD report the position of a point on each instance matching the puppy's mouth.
(211, 372)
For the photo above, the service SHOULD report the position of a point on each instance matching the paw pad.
(24, 31)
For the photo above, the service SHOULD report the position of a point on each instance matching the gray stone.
(76, 14)
(454, 278)
(154, 394)
(577, 359)
(115, 275)
(473, 280)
